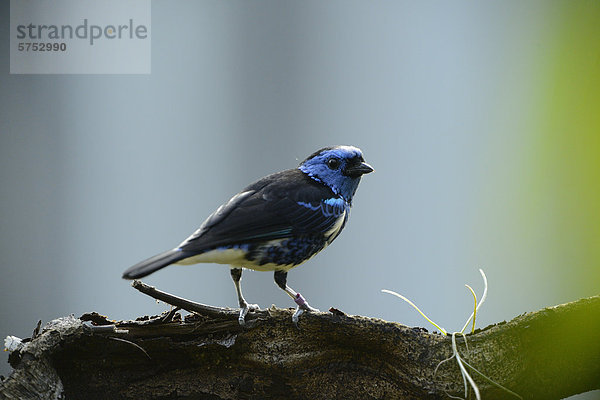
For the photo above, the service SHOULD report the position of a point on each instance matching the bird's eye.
(333, 163)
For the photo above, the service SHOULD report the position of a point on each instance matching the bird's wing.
(276, 207)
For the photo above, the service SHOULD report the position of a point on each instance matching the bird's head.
(338, 167)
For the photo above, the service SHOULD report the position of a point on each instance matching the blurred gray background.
(444, 99)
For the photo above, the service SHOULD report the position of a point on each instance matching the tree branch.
(548, 354)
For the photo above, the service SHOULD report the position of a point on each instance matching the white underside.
(235, 258)
(229, 256)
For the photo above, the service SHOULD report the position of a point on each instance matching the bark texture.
(548, 354)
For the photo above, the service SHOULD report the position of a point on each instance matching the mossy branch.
(549, 354)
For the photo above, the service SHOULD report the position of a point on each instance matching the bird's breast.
(337, 227)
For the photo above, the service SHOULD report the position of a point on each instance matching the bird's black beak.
(358, 170)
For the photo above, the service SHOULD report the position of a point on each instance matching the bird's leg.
(281, 281)
(236, 275)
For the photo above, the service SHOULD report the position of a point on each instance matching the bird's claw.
(302, 307)
(244, 310)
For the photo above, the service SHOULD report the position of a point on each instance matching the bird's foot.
(244, 310)
(302, 307)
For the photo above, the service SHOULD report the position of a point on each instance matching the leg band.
(301, 301)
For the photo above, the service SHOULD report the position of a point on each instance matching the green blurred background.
(566, 152)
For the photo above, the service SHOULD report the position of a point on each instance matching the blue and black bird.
(274, 224)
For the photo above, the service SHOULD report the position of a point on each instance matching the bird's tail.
(155, 263)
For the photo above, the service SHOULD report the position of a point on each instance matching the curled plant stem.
(455, 354)
(492, 381)
(416, 308)
(483, 297)
(474, 308)
(463, 370)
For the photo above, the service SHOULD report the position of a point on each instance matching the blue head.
(338, 167)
